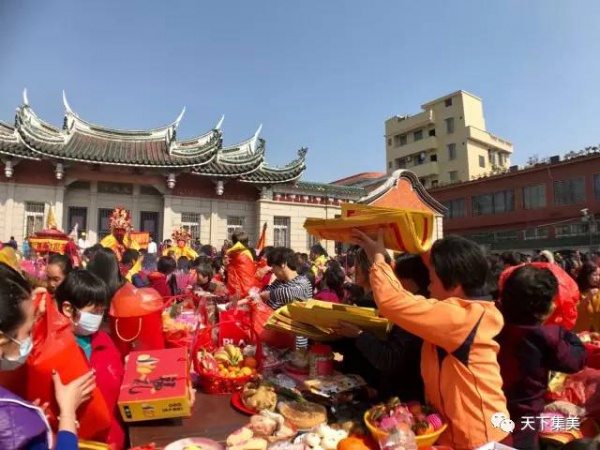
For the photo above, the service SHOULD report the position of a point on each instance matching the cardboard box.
(155, 385)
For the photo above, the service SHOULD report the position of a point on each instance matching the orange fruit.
(250, 362)
(233, 369)
(246, 371)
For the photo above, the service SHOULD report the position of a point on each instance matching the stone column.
(213, 223)
(93, 214)
(59, 210)
(9, 210)
(135, 208)
(168, 217)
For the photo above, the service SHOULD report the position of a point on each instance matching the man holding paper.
(458, 325)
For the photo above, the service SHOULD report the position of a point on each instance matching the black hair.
(130, 256)
(106, 266)
(14, 290)
(82, 288)
(308, 273)
(318, 250)
(334, 277)
(363, 263)
(166, 265)
(240, 236)
(528, 295)
(205, 270)
(413, 267)
(183, 264)
(62, 261)
(264, 253)
(282, 255)
(583, 279)
(90, 252)
(582, 444)
(149, 262)
(510, 258)
(457, 261)
(217, 263)
(206, 250)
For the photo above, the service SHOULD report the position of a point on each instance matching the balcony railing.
(489, 139)
(400, 126)
(426, 169)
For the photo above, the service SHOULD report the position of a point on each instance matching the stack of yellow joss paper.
(318, 320)
(403, 230)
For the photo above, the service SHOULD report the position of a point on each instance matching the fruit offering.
(228, 362)
(423, 420)
(264, 429)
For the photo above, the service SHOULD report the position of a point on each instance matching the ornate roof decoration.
(81, 141)
(416, 185)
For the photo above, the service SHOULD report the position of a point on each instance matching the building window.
(501, 159)
(149, 222)
(574, 229)
(77, 216)
(432, 132)
(450, 125)
(456, 208)
(481, 161)
(80, 185)
(534, 197)
(536, 233)
(399, 140)
(569, 192)
(389, 164)
(597, 186)
(492, 157)
(453, 176)
(451, 151)
(104, 222)
(311, 240)
(448, 102)
(496, 203)
(234, 223)
(433, 158)
(34, 217)
(434, 183)
(507, 236)
(190, 222)
(281, 231)
(389, 141)
(418, 135)
(400, 163)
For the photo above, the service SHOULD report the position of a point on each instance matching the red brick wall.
(34, 172)
(521, 218)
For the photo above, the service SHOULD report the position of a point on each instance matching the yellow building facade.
(446, 143)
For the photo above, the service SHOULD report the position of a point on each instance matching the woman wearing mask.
(83, 298)
(59, 266)
(23, 425)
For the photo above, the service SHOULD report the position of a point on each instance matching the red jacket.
(158, 281)
(106, 361)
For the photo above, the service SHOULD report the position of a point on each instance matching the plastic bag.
(55, 348)
(136, 319)
(235, 328)
(582, 389)
(261, 313)
(565, 311)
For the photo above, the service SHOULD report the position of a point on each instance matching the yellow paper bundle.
(403, 230)
(318, 320)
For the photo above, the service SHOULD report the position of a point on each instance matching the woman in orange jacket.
(458, 325)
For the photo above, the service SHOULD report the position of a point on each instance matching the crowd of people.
(461, 340)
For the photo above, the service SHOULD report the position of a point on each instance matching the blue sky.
(318, 73)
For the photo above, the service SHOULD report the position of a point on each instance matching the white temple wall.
(297, 213)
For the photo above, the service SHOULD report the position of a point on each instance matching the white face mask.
(88, 323)
(25, 347)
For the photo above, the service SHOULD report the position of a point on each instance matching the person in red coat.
(161, 279)
(241, 269)
(83, 297)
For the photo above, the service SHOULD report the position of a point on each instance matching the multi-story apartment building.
(446, 143)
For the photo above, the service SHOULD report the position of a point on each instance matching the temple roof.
(82, 141)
